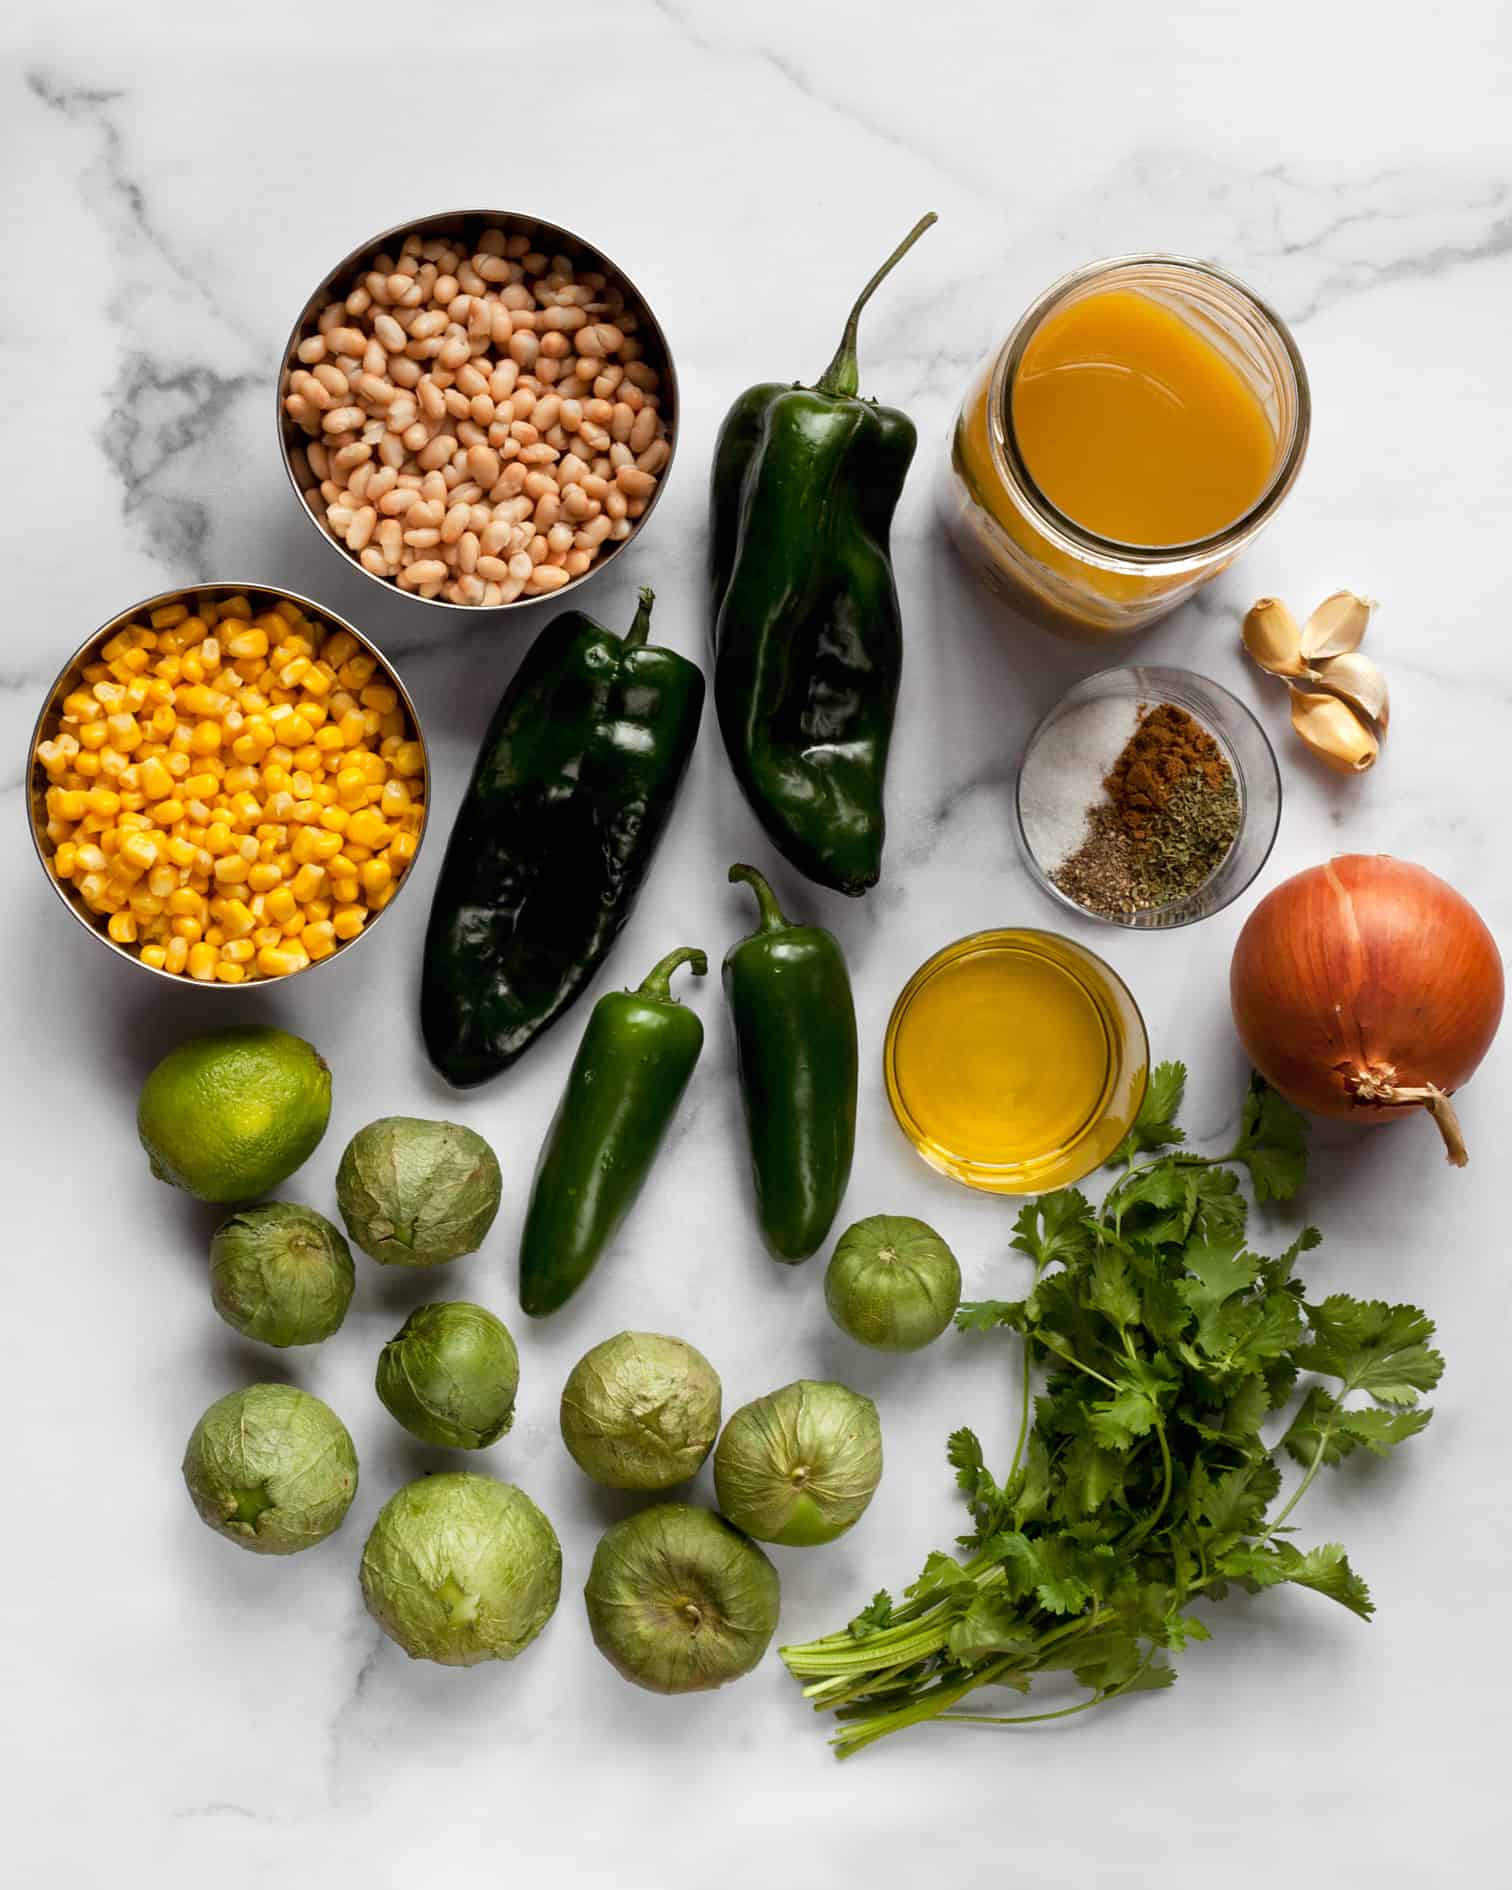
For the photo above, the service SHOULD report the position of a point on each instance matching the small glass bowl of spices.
(1148, 797)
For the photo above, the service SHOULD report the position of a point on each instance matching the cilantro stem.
(1023, 1431)
(1071, 1359)
(1325, 1432)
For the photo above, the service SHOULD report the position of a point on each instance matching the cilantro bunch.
(1143, 1484)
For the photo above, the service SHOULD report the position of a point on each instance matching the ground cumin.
(1167, 825)
(1166, 747)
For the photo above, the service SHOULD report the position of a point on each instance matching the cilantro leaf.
(993, 1624)
(1326, 1570)
(1381, 1431)
(1217, 1271)
(985, 1498)
(1111, 1290)
(1372, 1347)
(985, 1315)
(876, 1615)
(1234, 1502)
(1031, 1494)
(1089, 1474)
(1315, 1429)
(1117, 1421)
(1056, 1227)
(1272, 1143)
(1155, 1125)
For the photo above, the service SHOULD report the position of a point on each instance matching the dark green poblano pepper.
(808, 641)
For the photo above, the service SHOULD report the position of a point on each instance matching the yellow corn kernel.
(238, 951)
(230, 870)
(378, 900)
(344, 891)
(315, 843)
(227, 972)
(176, 953)
(379, 696)
(246, 809)
(279, 962)
(237, 920)
(186, 903)
(252, 641)
(140, 850)
(328, 739)
(375, 875)
(65, 859)
(178, 764)
(182, 852)
(167, 615)
(348, 921)
(206, 738)
(215, 936)
(70, 803)
(401, 850)
(369, 829)
(307, 882)
(86, 767)
(334, 819)
(319, 939)
(154, 955)
(281, 905)
(394, 798)
(188, 929)
(122, 928)
(92, 734)
(202, 962)
(125, 732)
(156, 781)
(409, 759)
(263, 877)
(162, 881)
(317, 680)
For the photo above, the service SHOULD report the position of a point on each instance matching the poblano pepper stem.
(843, 375)
(640, 624)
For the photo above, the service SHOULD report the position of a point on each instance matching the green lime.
(228, 1115)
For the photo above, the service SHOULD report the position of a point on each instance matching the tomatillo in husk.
(271, 1469)
(641, 1411)
(800, 1465)
(679, 1601)
(414, 1193)
(281, 1273)
(892, 1283)
(460, 1569)
(450, 1374)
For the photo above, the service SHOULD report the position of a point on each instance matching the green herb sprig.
(1140, 1484)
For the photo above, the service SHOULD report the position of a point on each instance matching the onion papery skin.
(1366, 968)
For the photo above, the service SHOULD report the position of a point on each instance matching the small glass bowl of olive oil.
(1015, 1061)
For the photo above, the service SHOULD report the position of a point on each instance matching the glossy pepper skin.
(795, 1046)
(808, 642)
(572, 790)
(627, 1079)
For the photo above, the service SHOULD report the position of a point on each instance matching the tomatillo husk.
(800, 1465)
(679, 1601)
(641, 1411)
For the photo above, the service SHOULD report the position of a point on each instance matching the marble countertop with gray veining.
(177, 1714)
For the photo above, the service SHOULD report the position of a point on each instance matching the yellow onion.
(1367, 988)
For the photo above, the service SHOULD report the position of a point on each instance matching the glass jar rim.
(1079, 539)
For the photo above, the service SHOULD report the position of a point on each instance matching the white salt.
(1062, 775)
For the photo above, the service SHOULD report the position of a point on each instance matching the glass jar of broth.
(1015, 1061)
(1134, 433)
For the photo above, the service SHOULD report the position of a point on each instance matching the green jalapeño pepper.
(627, 1079)
(795, 1048)
(572, 789)
(808, 642)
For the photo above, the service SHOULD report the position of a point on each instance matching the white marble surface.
(178, 1714)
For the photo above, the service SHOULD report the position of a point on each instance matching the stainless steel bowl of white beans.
(478, 409)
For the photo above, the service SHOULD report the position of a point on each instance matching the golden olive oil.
(1015, 1061)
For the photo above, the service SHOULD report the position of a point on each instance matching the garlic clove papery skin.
(1337, 626)
(1359, 682)
(1272, 638)
(1333, 731)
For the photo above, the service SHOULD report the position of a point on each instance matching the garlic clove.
(1337, 626)
(1272, 638)
(1359, 682)
(1333, 731)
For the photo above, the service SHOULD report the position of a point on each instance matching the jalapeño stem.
(656, 984)
(773, 919)
(843, 375)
